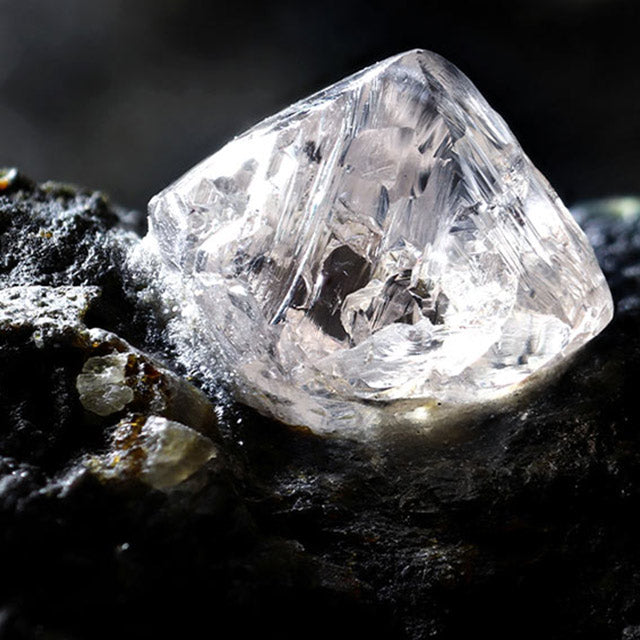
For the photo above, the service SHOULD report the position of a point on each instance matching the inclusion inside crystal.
(383, 240)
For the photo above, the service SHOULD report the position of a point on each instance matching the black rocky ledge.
(128, 510)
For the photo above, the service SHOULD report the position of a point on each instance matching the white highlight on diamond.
(382, 243)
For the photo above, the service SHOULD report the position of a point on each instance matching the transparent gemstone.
(384, 243)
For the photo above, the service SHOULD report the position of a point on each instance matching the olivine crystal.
(382, 243)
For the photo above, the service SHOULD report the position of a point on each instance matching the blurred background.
(125, 95)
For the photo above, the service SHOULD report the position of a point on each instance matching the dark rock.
(518, 523)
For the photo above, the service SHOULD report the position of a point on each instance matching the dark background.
(125, 95)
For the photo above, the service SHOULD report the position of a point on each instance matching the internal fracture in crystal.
(384, 240)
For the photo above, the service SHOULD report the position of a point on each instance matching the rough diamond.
(383, 243)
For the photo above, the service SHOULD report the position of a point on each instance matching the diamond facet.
(384, 241)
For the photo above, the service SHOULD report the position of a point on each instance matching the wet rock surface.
(148, 515)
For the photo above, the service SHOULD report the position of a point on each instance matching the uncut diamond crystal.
(384, 243)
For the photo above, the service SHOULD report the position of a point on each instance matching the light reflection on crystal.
(385, 239)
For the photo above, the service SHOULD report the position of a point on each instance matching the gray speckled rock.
(516, 522)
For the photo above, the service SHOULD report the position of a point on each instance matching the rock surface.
(156, 518)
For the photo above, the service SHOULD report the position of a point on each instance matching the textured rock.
(47, 310)
(377, 250)
(518, 523)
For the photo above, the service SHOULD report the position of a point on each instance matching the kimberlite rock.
(384, 244)
(133, 504)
